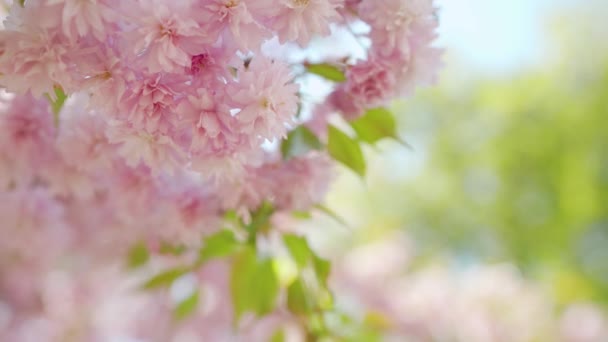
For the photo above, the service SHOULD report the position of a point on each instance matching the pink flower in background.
(393, 21)
(34, 214)
(26, 143)
(82, 141)
(371, 82)
(422, 66)
(300, 182)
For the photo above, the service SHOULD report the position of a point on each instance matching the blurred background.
(509, 155)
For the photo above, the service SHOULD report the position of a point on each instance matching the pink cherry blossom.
(267, 99)
(300, 20)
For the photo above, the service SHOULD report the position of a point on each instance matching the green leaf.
(278, 336)
(327, 71)
(187, 306)
(300, 141)
(331, 214)
(346, 150)
(376, 124)
(260, 221)
(322, 269)
(231, 215)
(169, 249)
(298, 300)
(165, 278)
(218, 245)
(57, 101)
(253, 283)
(138, 256)
(301, 215)
(298, 248)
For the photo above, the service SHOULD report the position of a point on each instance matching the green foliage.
(187, 306)
(327, 71)
(165, 278)
(322, 268)
(300, 141)
(170, 249)
(278, 336)
(346, 150)
(56, 100)
(218, 245)
(298, 300)
(308, 293)
(138, 256)
(325, 210)
(376, 124)
(260, 221)
(253, 283)
(298, 248)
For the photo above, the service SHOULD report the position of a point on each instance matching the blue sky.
(496, 36)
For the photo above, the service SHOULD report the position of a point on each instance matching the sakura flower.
(148, 105)
(32, 59)
(217, 146)
(298, 183)
(370, 83)
(235, 17)
(393, 21)
(80, 18)
(28, 137)
(165, 35)
(82, 141)
(35, 222)
(421, 68)
(267, 99)
(299, 20)
(156, 150)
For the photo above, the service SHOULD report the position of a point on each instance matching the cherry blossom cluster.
(185, 84)
(150, 122)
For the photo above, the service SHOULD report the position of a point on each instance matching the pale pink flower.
(217, 147)
(81, 17)
(34, 221)
(148, 105)
(300, 20)
(583, 322)
(420, 69)
(28, 137)
(165, 35)
(345, 103)
(156, 150)
(318, 123)
(32, 58)
(267, 98)
(298, 183)
(105, 76)
(82, 140)
(370, 83)
(393, 21)
(235, 17)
